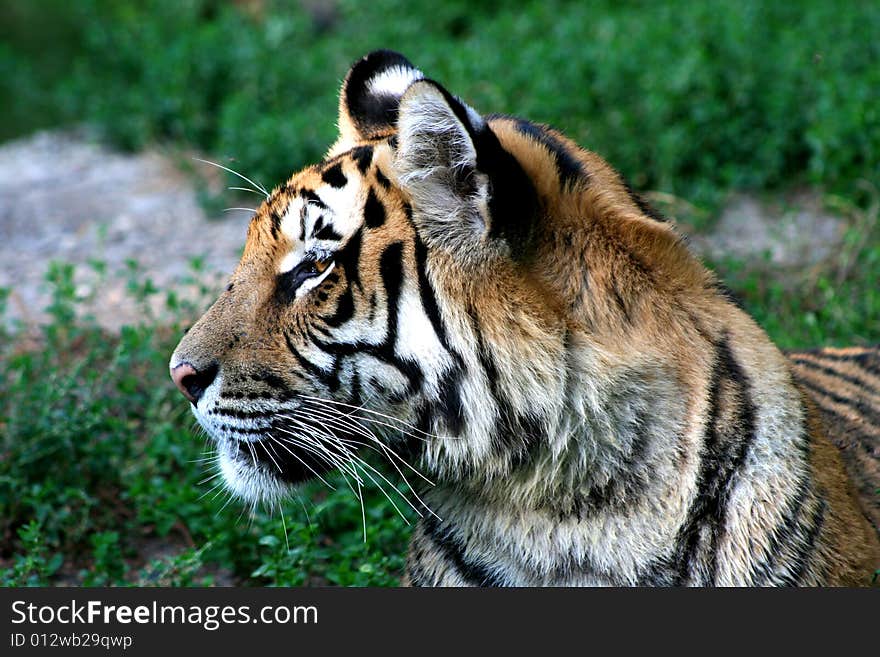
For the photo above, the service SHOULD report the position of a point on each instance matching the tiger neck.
(560, 511)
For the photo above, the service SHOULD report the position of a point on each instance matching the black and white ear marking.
(466, 188)
(370, 95)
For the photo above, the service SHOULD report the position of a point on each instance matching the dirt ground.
(65, 198)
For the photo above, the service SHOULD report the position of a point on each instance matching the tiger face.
(357, 316)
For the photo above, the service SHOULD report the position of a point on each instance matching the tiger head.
(424, 292)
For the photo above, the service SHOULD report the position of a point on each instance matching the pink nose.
(191, 382)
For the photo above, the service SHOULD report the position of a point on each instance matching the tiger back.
(481, 301)
(844, 386)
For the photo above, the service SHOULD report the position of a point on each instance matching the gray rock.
(65, 198)
(795, 233)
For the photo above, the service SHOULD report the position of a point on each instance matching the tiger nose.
(191, 382)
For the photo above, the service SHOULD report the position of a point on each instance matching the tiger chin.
(589, 404)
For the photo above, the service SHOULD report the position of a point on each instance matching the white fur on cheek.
(290, 261)
(290, 222)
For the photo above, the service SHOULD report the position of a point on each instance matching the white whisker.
(382, 415)
(284, 526)
(245, 189)
(324, 481)
(209, 478)
(364, 431)
(347, 423)
(320, 451)
(267, 444)
(360, 496)
(236, 173)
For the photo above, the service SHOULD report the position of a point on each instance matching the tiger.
(482, 301)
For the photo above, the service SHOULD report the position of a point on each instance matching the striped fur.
(844, 386)
(480, 298)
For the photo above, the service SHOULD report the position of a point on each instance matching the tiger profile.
(587, 401)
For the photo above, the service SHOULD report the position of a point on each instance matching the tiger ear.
(466, 188)
(370, 96)
(436, 162)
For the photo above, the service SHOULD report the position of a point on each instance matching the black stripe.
(271, 380)
(728, 294)
(252, 396)
(382, 180)
(857, 437)
(344, 309)
(334, 176)
(275, 218)
(807, 543)
(330, 380)
(868, 354)
(328, 233)
(422, 422)
(517, 437)
(513, 201)
(258, 431)
(781, 537)
(356, 398)
(374, 211)
(629, 482)
(349, 256)
(621, 304)
(384, 352)
(312, 198)
(724, 450)
(363, 156)
(487, 363)
(523, 437)
(428, 295)
(864, 385)
(568, 167)
(239, 415)
(645, 207)
(450, 405)
(453, 549)
(391, 271)
(868, 360)
(865, 409)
